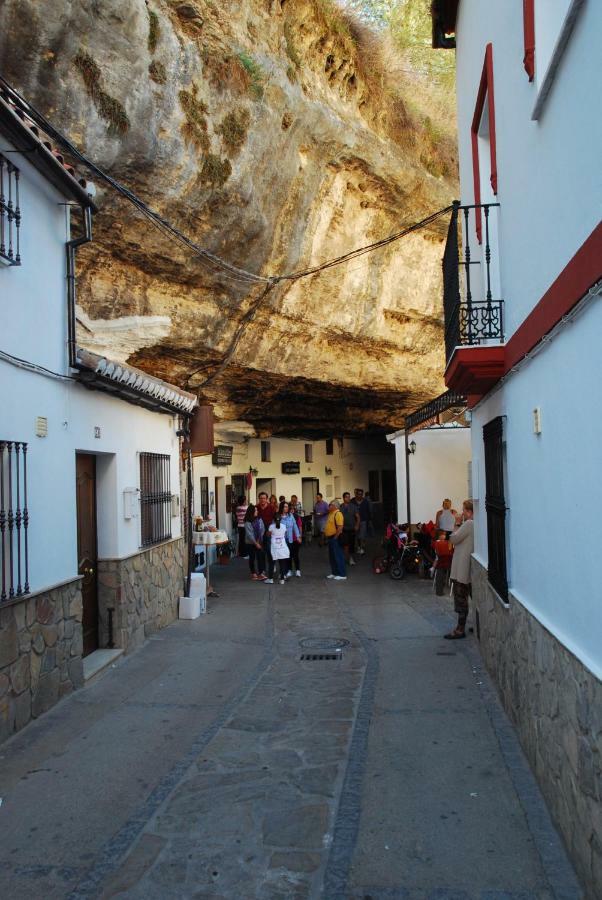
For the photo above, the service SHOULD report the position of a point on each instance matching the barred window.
(495, 505)
(10, 213)
(14, 520)
(204, 497)
(155, 498)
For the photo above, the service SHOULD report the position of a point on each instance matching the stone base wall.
(143, 591)
(556, 705)
(40, 653)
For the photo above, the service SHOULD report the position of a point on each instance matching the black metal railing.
(14, 520)
(10, 213)
(155, 498)
(473, 315)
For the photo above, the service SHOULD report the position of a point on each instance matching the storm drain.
(312, 657)
(323, 644)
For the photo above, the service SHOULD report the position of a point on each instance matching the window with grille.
(155, 498)
(265, 451)
(10, 213)
(204, 498)
(309, 453)
(495, 505)
(14, 520)
(329, 447)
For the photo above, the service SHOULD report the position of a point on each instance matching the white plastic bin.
(192, 607)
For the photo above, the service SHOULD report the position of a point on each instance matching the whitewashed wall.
(72, 413)
(33, 326)
(438, 469)
(549, 172)
(350, 465)
(553, 485)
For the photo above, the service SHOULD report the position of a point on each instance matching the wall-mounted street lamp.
(254, 472)
(412, 447)
(327, 470)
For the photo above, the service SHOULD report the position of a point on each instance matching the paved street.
(215, 763)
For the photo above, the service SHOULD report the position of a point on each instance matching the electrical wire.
(228, 270)
(33, 367)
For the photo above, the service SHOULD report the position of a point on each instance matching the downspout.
(408, 508)
(71, 247)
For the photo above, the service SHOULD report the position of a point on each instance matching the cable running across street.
(235, 272)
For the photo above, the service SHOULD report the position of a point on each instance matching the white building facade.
(90, 523)
(523, 328)
(329, 466)
(437, 468)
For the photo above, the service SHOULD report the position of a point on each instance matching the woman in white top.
(445, 519)
(278, 549)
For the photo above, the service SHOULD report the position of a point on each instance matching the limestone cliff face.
(260, 129)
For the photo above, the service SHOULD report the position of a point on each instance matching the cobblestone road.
(215, 763)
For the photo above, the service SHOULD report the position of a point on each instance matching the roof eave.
(41, 158)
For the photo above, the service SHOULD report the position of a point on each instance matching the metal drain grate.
(312, 657)
(325, 644)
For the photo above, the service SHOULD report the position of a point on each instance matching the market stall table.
(209, 539)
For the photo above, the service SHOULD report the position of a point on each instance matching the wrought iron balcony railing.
(10, 213)
(472, 304)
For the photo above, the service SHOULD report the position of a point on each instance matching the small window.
(10, 213)
(309, 453)
(204, 512)
(495, 505)
(265, 451)
(329, 447)
(155, 498)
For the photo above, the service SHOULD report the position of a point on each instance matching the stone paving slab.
(214, 763)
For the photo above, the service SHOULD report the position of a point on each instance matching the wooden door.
(86, 546)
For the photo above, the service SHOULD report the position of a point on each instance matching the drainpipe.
(408, 509)
(71, 247)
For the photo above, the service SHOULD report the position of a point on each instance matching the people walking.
(364, 511)
(351, 524)
(333, 529)
(265, 511)
(320, 515)
(463, 541)
(293, 538)
(278, 549)
(445, 518)
(254, 532)
(239, 513)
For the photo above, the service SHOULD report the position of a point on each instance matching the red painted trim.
(583, 271)
(529, 37)
(486, 92)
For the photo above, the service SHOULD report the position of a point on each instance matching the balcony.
(472, 302)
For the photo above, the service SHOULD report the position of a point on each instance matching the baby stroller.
(400, 555)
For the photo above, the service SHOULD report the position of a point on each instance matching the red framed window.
(484, 96)
(529, 37)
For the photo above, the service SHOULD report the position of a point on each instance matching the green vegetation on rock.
(215, 171)
(233, 130)
(109, 109)
(255, 73)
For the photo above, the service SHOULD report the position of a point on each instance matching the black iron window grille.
(473, 315)
(14, 520)
(495, 505)
(155, 498)
(10, 213)
(204, 497)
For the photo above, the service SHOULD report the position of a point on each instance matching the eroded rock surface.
(260, 129)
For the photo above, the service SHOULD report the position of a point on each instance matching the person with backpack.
(332, 532)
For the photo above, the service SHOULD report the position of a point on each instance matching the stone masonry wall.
(40, 654)
(143, 590)
(556, 705)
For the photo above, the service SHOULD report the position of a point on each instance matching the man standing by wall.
(320, 514)
(463, 540)
(332, 531)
